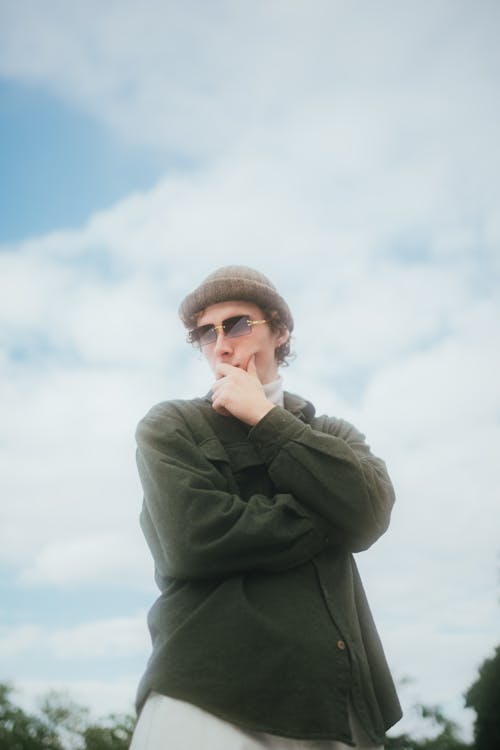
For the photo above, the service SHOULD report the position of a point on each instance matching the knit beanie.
(234, 283)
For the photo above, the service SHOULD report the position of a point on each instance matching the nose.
(223, 344)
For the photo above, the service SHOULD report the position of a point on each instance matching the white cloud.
(108, 559)
(16, 641)
(208, 79)
(119, 637)
(102, 639)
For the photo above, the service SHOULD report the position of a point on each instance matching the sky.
(348, 150)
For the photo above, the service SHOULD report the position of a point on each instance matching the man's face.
(261, 341)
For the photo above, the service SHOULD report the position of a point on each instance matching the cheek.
(265, 354)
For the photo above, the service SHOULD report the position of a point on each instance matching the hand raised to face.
(240, 393)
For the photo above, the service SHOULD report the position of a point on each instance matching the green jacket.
(262, 618)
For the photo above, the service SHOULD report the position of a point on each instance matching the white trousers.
(169, 724)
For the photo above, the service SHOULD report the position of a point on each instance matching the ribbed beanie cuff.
(234, 283)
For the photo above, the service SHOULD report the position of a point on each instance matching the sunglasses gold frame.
(220, 327)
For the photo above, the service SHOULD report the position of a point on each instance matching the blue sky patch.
(59, 165)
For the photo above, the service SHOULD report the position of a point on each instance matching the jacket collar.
(299, 407)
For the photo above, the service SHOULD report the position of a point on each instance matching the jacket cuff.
(275, 429)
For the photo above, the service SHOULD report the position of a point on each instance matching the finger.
(222, 368)
(218, 404)
(217, 385)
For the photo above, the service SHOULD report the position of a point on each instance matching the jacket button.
(341, 645)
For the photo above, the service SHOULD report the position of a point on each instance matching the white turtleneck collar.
(274, 391)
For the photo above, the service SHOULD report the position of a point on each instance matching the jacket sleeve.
(196, 526)
(331, 472)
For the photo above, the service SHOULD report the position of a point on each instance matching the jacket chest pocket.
(249, 470)
(238, 468)
(221, 472)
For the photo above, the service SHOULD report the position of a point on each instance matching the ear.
(283, 337)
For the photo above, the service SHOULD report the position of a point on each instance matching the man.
(262, 635)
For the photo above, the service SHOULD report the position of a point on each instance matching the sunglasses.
(240, 325)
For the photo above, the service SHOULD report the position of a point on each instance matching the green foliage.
(446, 738)
(62, 725)
(22, 731)
(65, 718)
(115, 736)
(484, 697)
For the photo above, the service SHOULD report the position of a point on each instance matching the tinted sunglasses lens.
(236, 327)
(233, 329)
(202, 335)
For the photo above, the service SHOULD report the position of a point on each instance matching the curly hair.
(283, 352)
